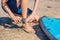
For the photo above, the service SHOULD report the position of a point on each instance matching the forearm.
(24, 8)
(5, 6)
(35, 6)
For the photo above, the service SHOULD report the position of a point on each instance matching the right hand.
(16, 19)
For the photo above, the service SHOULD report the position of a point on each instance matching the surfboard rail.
(45, 31)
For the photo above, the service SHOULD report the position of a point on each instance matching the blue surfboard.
(51, 27)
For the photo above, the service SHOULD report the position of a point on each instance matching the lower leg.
(24, 16)
(18, 3)
(24, 8)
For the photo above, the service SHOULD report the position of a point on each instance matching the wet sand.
(46, 8)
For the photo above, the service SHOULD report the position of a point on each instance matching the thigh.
(18, 2)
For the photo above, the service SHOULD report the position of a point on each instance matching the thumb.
(27, 19)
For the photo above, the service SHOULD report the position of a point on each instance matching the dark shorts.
(13, 7)
(19, 11)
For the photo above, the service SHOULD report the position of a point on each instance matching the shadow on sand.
(39, 32)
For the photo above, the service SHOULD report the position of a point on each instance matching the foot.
(28, 29)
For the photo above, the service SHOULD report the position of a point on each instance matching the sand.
(46, 8)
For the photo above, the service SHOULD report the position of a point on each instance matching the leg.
(24, 15)
(18, 3)
(24, 8)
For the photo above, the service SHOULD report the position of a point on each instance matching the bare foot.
(28, 29)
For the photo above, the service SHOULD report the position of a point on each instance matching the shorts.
(13, 7)
(19, 11)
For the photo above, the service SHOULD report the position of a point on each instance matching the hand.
(16, 19)
(30, 18)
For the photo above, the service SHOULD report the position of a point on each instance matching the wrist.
(12, 16)
(24, 20)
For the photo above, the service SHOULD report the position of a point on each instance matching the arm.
(35, 6)
(16, 19)
(33, 15)
(5, 6)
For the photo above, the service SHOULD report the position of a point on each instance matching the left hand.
(30, 18)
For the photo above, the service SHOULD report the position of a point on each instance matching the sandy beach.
(45, 8)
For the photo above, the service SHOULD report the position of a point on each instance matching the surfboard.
(50, 27)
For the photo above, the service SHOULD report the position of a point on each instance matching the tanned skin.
(17, 18)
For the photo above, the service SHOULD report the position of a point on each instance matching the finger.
(27, 19)
(30, 21)
(19, 19)
(16, 20)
